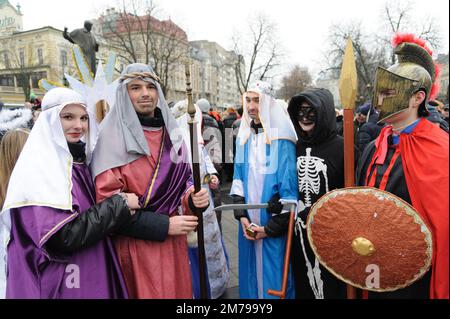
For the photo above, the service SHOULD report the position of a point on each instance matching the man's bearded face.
(252, 101)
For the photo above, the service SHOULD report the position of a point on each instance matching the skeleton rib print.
(309, 169)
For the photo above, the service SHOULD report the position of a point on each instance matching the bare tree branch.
(373, 50)
(396, 17)
(367, 55)
(141, 37)
(259, 49)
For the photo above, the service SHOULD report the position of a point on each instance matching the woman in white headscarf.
(57, 244)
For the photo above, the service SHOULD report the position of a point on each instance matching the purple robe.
(34, 272)
(169, 180)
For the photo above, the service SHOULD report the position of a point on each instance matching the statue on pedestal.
(86, 41)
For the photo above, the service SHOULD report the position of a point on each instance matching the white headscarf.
(121, 139)
(283, 104)
(274, 118)
(42, 175)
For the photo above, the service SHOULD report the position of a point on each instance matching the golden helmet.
(414, 71)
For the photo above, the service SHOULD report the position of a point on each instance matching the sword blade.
(240, 206)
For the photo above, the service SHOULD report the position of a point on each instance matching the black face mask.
(306, 114)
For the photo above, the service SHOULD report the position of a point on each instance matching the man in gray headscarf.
(140, 150)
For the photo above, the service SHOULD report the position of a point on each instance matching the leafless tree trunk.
(260, 50)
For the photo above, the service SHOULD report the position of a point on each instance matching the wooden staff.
(101, 108)
(348, 87)
(197, 183)
(282, 293)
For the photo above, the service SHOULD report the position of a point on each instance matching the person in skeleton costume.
(140, 150)
(320, 168)
(264, 170)
(216, 257)
(410, 156)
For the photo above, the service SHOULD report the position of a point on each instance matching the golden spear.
(348, 87)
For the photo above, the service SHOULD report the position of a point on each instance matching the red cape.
(425, 159)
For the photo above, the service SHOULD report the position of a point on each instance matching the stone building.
(26, 56)
(217, 73)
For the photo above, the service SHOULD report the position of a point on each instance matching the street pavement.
(230, 235)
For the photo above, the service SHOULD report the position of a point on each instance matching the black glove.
(194, 209)
(90, 227)
(274, 205)
(239, 213)
(277, 225)
(146, 225)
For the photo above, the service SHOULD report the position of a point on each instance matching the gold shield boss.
(394, 86)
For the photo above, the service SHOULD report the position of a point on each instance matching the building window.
(22, 80)
(63, 57)
(22, 57)
(109, 26)
(6, 60)
(7, 80)
(40, 56)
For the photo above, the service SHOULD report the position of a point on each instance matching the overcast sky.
(303, 25)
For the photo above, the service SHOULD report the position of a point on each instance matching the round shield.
(370, 239)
